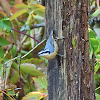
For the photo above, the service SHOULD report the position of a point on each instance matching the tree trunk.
(70, 77)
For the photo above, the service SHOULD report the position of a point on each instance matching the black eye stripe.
(46, 52)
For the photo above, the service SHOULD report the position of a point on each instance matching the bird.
(51, 48)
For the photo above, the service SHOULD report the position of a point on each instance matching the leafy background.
(23, 73)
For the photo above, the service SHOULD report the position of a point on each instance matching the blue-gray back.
(50, 43)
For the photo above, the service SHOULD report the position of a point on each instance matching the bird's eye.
(47, 52)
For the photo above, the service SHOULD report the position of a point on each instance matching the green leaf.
(15, 77)
(35, 6)
(8, 69)
(28, 86)
(38, 17)
(98, 50)
(22, 5)
(10, 92)
(97, 67)
(35, 61)
(6, 6)
(13, 51)
(39, 63)
(94, 43)
(44, 59)
(40, 12)
(1, 71)
(29, 19)
(3, 41)
(24, 52)
(15, 25)
(5, 25)
(98, 38)
(30, 69)
(97, 96)
(32, 96)
(91, 33)
(40, 82)
(96, 13)
(97, 76)
(1, 52)
(90, 51)
(18, 13)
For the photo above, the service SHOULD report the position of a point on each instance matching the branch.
(28, 27)
(27, 35)
(25, 54)
(39, 25)
(11, 60)
(33, 49)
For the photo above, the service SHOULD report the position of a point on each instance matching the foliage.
(94, 40)
(14, 45)
(31, 83)
(95, 48)
(41, 86)
(5, 24)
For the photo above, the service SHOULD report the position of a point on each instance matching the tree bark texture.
(70, 77)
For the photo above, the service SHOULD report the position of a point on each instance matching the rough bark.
(70, 78)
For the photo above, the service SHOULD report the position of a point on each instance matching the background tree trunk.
(70, 78)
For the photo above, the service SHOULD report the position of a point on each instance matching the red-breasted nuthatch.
(51, 48)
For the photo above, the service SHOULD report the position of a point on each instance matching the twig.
(26, 76)
(5, 91)
(27, 35)
(28, 27)
(19, 72)
(20, 77)
(39, 25)
(97, 88)
(7, 95)
(17, 88)
(33, 48)
(11, 60)
(4, 76)
(4, 79)
(25, 54)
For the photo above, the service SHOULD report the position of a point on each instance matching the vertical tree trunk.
(70, 78)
